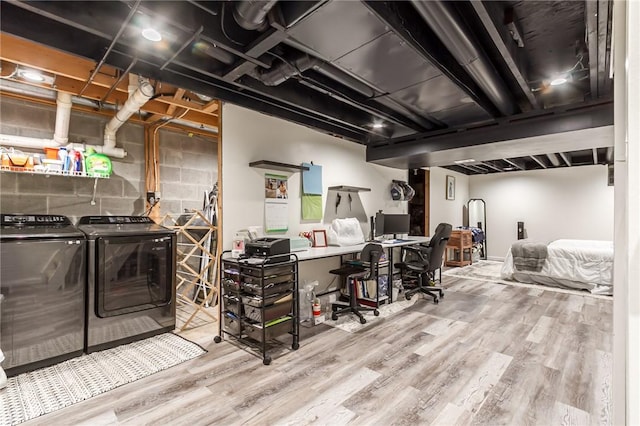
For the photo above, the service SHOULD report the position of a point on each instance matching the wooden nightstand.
(458, 251)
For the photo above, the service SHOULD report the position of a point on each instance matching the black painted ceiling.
(404, 78)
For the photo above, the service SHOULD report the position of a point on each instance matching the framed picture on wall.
(451, 188)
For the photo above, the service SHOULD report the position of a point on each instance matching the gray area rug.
(489, 270)
(33, 394)
(351, 324)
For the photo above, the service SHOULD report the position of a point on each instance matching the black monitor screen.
(392, 224)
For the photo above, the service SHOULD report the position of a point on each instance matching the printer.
(276, 249)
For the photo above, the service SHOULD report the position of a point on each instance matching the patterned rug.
(33, 394)
(351, 324)
(489, 270)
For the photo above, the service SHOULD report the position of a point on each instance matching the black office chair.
(370, 253)
(420, 264)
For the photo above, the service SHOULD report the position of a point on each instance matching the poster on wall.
(276, 215)
(275, 187)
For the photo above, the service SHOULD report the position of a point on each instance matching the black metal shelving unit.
(259, 302)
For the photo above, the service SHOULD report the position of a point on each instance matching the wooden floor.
(488, 354)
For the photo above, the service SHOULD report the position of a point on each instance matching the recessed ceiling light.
(508, 169)
(378, 125)
(31, 75)
(151, 34)
(468, 160)
(558, 81)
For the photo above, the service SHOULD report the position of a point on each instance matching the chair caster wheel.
(436, 300)
(295, 346)
(334, 308)
(363, 321)
(217, 339)
(266, 360)
(334, 316)
(376, 312)
(407, 296)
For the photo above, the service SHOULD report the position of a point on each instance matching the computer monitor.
(392, 224)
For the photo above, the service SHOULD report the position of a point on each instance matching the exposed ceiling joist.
(554, 159)
(491, 15)
(515, 163)
(491, 166)
(565, 158)
(539, 161)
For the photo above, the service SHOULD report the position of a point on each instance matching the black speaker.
(521, 230)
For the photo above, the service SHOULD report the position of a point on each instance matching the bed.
(574, 264)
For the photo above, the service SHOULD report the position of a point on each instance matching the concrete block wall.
(188, 165)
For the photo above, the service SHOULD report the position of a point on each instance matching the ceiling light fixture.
(558, 81)
(151, 34)
(378, 125)
(468, 160)
(31, 75)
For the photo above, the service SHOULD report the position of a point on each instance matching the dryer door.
(133, 273)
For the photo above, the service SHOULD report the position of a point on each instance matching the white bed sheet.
(589, 262)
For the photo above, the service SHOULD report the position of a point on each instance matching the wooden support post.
(152, 170)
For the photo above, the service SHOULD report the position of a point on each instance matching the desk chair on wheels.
(420, 264)
(370, 253)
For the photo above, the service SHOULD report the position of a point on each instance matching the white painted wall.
(250, 136)
(441, 209)
(573, 203)
(626, 303)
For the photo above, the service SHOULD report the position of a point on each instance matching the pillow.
(345, 232)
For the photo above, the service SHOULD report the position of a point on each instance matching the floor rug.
(33, 394)
(350, 323)
(489, 270)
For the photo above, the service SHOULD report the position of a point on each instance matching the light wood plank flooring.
(488, 354)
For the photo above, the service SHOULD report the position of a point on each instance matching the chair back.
(371, 253)
(438, 244)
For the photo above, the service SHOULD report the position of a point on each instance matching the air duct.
(252, 14)
(286, 69)
(451, 32)
(143, 93)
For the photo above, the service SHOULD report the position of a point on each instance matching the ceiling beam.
(537, 160)
(415, 151)
(595, 155)
(565, 158)
(491, 15)
(591, 28)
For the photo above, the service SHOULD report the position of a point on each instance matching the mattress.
(576, 264)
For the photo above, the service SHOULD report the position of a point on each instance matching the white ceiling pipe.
(101, 149)
(133, 104)
(26, 142)
(63, 116)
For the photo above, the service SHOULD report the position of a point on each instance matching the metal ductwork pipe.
(287, 69)
(140, 97)
(252, 14)
(451, 32)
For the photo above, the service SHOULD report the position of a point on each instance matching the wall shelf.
(47, 172)
(347, 188)
(274, 165)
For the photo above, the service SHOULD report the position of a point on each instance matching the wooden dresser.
(458, 252)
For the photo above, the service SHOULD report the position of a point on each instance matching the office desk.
(332, 251)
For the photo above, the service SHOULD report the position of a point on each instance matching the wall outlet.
(153, 198)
